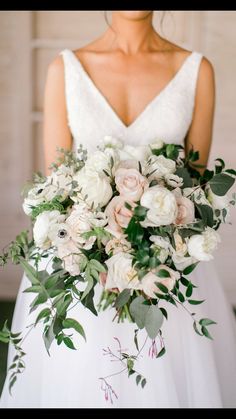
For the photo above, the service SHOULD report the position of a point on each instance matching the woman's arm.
(56, 132)
(200, 133)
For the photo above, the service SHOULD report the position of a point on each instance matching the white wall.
(28, 42)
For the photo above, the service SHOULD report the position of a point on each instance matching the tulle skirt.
(195, 372)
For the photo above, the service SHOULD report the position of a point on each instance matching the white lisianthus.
(161, 204)
(42, 226)
(149, 281)
(71, 256)
(96, 187)
(201, 246)
(161, 246)
(159, 166)
(121, 273)
(139, 153)
(216, 201)
(198, 195)
(174, 180)
(117, 245)
(111, 142)
(157, 144)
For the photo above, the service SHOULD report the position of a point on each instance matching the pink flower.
(186, 212)
(103, 280)
(118, 215)
(130, 183)
(150, 279)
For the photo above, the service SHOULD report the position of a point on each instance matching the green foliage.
(150, 317)
(221, 183)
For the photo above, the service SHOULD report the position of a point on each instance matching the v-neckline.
(147, 106)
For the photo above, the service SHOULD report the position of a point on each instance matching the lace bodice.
(90, 117)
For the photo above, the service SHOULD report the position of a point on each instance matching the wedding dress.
(195, 371)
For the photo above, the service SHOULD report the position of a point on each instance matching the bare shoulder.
(206, 71)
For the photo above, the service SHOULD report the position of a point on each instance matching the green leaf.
(63, 304)
(12, 382)
(189, 290)
(49, 336)
(138, 378)
(184, 281)
(163, 273)
(30, 272)
(161, 353)
(162, 287)
(206, 322)
(97, 265)
(164, 312)
(143, 382)
(122, 298)
(89, 303)
(221, 183)
(136, 339)
(89, 286)
(139, 311)
(44, 313)
(68, 342)
(183, 172)
(196, 329)
(140, 212)
(181, 297)
(195, 302)
(206, 213)
(74, 324)
(34, 288)
(189, 269)
(206, 333)
(153, 321)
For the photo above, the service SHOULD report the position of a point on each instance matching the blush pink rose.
(130, 183)
(103, 280)
(186, 211)
(149, 281)
(118, 215)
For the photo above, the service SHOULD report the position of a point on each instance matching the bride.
(134, 85)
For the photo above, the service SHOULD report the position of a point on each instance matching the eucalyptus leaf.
(153, 321)
(139, 311)
(122, 298)
(221, 183)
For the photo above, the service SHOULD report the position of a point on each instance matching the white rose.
(121, 274)
(138, 153)
(216, 201)
(149, 281)
(79, 223)
(162, 206)
(98, 161)
(159, 166)
(180, 254)
(201, 246)
(174, 180)
(96, 187)
(157, 143)
(44, 222)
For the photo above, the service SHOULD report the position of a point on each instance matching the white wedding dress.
(195, 371)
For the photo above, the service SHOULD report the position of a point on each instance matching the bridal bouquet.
(134, 221)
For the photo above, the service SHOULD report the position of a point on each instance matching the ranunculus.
(201, 246)
(117, 245)
(43, 223)
(174, 180)
(216, 201)
(158, 166)
(130, 183)
(139, 153)
(121, 273)
(161, 204)
(186, 209)
(71, 257)
(96, 187)
(118, 215)
(150, 279)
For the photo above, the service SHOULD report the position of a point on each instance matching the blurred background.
(29, 40)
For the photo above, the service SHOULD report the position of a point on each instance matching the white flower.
(121, 274)
(117, 245)
(161, 246)
(111, 142)
(180, 254)
(98, 219)
(59, 233)
(157, 143)
(162, 206)
(198, 195)
(139, 153)
(216, 201)
(101, 160)
(201, 246)
(41, 193)
(41, 230)
(130, 183)
(71, 257)
(62, 178)
(149, 281)
(96, 187)
(79, 223)
(174, 180)
(158, 166)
